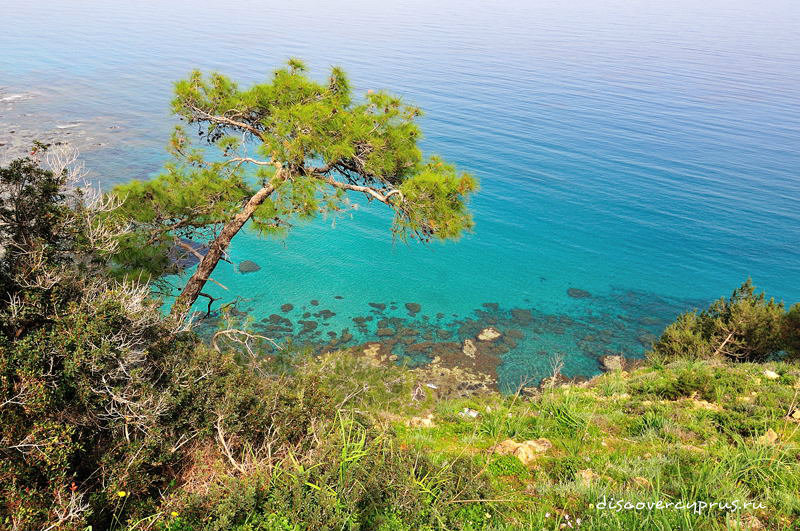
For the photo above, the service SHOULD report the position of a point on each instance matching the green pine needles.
(290, 148)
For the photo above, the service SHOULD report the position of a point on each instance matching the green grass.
(682, 431)
(688, 431)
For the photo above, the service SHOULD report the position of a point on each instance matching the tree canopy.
(289, 148)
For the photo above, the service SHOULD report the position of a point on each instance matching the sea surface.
(642, 154)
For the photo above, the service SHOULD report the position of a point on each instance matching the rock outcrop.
(489, 334)
(527, 451)
(612, 363)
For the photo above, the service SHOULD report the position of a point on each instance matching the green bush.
(682, 381)
(102, 398)
(791, 330)
(744, 327)
(355, 479)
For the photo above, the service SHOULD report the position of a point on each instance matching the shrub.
(791, 330)
(683, 339)
(352, 479)
(744, 327)
(101, 397)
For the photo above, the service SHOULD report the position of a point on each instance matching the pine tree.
(287, 148)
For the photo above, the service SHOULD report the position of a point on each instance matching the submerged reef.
(499, 346)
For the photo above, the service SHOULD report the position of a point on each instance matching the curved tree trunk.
(216, 249)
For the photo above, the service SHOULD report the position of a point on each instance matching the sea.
(637, 159)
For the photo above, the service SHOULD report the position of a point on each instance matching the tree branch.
(383, 197)
(250, 160)
(224, 120)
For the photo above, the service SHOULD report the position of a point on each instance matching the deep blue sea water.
(644, 152)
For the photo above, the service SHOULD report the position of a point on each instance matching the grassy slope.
(685, 431)
(690, 431)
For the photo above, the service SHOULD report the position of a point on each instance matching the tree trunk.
(216, 249)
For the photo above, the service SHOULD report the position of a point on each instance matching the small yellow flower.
(122, 494)
(174, 514)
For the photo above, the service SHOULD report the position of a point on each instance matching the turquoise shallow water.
(647, 154)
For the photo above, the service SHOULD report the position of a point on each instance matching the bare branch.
(224, 120)
(380, 195)
(241, 337)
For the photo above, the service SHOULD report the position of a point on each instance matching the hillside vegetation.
(113, 416)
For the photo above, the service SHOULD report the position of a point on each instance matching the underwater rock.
(491, 306)
(287, 308)
(308, 326)
(281, 321)
(384, 332)
(248, 266)
(315, 302)
(650, 321)
(444, 334)
(423, 346)
(515, 334)
(576, 293)
(274, 329)
(413, 308)
(647, 340)
(489, 334)
(325, 314)
(235, 312)
(510, 343)
(346, 336)
(468, 328)
(378, 306)
(521, 316)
